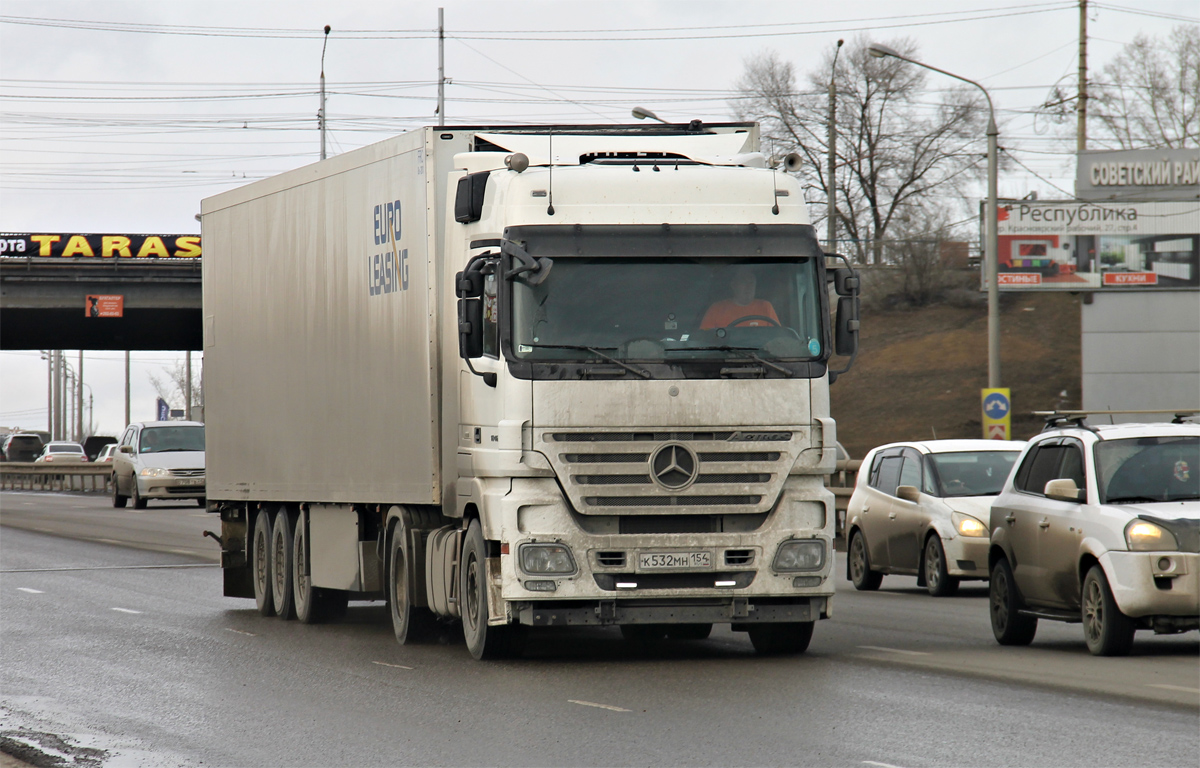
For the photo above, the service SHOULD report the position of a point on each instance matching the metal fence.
(27, 476)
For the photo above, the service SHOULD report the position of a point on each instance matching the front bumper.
(967, 557)
(171, 487)
(739, 585)
(1142, 587)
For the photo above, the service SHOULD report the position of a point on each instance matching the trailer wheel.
(313, 604)
(774, 639)
(411, 623)
(281, 564)
(260, 564)
(483, 641)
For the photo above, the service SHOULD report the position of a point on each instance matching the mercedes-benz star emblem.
(673, 466)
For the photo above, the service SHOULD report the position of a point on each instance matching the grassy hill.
(919, 371)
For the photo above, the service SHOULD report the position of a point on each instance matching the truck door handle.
(1044, 524)
(1010, 519)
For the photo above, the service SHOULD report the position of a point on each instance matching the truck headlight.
(800, 555)
(154, 472)
(1145, 536)
(967, 525)
(546, 558)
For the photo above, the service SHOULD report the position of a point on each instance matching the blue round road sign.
(995, 406)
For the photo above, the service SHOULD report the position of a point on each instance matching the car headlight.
(967, 525)
(1145, 536)
(546, 558)
(154, 472)
(800, 555)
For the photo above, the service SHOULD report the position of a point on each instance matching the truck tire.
(1107, 630)
(118, 500)
(411, 623)
(777, 639)
(858, 562)
(282, 545)
(260, 563)
(483, 641)
(937, 581)
(1004, 604)
(313, 605)
(689, 631)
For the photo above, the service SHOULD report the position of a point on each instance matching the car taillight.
(49, 458)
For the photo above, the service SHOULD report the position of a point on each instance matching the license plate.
(192, 481)
(655, 561)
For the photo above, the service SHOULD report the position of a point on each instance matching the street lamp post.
(831, 224)
(993, 240)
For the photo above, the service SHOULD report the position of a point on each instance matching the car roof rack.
(1057, 418)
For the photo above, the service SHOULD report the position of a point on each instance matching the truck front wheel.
(410, 622)
(773, 639)
(483, 641)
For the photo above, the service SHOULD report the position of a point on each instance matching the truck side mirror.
(468, 286)
(845, 340)
(845, 282)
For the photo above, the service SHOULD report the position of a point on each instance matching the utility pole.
(321, 110)
(831, 225)
(441, 107)
(79, 400)
(187, 389)
(46, 355)
(54, 383)
(1081, 104)
(127, 387)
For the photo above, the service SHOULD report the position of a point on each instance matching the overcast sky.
(121, 116)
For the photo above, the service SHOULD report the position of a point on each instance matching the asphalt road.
(133, 653)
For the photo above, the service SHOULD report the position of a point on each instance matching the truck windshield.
(670, 310)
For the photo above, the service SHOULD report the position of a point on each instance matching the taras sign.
(101, 246)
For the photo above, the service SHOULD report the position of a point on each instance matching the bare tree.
(1148, 94)
(894, 148)
(172, 386)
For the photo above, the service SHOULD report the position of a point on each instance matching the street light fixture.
(993, 240)
(641, 113)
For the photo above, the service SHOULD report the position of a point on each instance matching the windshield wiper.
(726, 348)
(1133, 500)
(639, 371)
(172, 450)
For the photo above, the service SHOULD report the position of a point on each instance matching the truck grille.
(670, 471)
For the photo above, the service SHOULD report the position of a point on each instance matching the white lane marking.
(126, 610)
(599, 706)
(240, 632)
(108, 541)
(183, 551)
(31, 591)
(881, 765)
(1166, 687)
(393, 666)
(892, 650)
(201, 514)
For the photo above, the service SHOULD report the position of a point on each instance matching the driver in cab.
(743, 306)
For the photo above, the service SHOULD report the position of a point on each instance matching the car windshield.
(715, 294)
(65, 448)
(1148, 469)
(972, 473)
(166, 439)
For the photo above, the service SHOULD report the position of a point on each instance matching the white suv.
(1099, 525)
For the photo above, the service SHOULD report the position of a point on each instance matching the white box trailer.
(506, 376)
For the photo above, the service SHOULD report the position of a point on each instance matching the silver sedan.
(921, 509)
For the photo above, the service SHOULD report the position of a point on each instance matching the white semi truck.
(527, 376)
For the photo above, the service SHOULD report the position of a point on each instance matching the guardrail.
(841, 484)
(28, 476)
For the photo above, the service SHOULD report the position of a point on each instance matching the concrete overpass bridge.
(140, 303)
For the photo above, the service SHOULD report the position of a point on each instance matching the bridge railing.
(28, 476)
